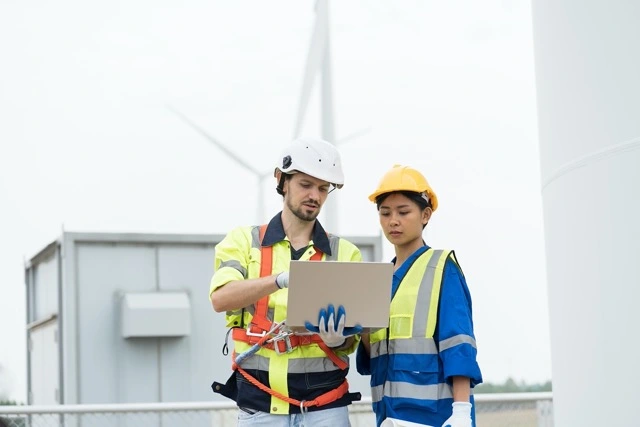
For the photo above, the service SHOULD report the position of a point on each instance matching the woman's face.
(402, 220)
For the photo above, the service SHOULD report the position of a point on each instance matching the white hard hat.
(315, 157)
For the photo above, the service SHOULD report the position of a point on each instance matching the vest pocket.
(323, 380)
(400, 326)
(415, 382)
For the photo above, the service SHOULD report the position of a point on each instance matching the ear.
(426, 215)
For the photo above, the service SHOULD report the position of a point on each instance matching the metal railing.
(492, 410)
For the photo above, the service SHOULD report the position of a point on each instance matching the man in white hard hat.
(291, 375)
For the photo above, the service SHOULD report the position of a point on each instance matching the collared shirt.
(275, 233)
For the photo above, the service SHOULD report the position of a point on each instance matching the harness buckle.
(285, 338)
(255, 334)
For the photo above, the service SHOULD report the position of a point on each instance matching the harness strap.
(324, 399)
(293, 341)
(260, 323)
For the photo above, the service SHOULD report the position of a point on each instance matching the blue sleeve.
(455, 337)
(363, 361)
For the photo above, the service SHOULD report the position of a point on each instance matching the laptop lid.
(363, 288)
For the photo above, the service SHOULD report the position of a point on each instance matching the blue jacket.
(459, 359)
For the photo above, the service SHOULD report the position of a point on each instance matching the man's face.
(305, 195)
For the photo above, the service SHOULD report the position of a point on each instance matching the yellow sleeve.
(231, 258)
(351, 349)
(349, 251)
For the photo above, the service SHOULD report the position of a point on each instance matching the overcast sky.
(87, 142)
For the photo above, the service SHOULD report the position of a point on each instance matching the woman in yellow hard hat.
(423, 365)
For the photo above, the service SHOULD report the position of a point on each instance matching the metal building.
(123, 318)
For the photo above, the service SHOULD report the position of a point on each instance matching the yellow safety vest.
(414, 308)
(238, 257)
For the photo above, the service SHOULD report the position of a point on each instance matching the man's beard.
(301, 213)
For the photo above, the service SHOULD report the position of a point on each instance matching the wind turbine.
(259, 175)
(318, 61)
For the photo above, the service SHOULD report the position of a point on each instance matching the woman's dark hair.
(412, 195)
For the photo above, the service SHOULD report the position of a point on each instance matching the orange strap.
(240, 334)
(260, 322)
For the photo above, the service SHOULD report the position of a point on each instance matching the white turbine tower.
(587, 66)
(319, 61)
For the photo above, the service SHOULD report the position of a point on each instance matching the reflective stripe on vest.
(411, 391)
(295, 366)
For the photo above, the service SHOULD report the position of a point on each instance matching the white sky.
(87, 142)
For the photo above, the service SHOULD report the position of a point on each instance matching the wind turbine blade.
(315, 58)
(267, 174)
(353, 135)
(217, 143)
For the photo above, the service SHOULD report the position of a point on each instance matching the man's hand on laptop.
(332, 331)
(282, 280)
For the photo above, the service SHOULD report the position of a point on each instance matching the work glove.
(332, 331)
(461, 415)
(282, 280)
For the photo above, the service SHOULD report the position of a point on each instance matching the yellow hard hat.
(405, 178)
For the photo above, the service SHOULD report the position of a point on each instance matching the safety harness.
(260, 330)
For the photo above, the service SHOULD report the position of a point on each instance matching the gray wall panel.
(44, 364)
(138, 367)
(46, 289)
(189, 364)
(111, 369)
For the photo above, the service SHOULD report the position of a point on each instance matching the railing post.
(544, 408)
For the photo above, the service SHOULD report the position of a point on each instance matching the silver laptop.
(363, 288)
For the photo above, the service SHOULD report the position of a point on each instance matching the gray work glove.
(282, 280)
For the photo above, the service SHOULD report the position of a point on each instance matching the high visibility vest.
(412, 322)
(284, 357)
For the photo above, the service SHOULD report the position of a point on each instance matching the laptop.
(363, 288)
